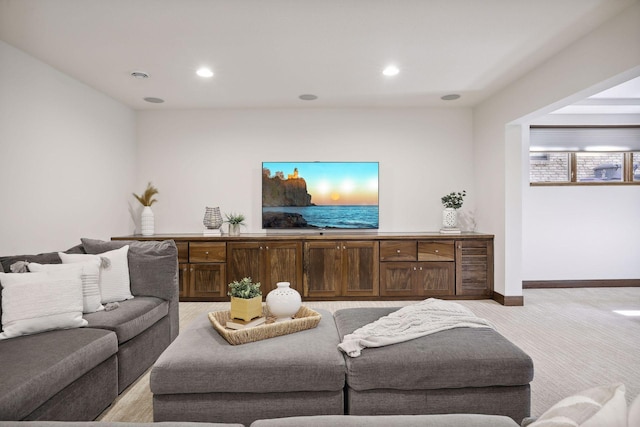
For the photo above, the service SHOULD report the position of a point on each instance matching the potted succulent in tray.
(452, 202)
(235, 221)
(147, 222)
(246, 299)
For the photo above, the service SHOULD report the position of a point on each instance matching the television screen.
(325, 195)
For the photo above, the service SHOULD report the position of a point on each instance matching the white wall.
(213, 158)
(581, 233)
(67, 158)
(607, 56)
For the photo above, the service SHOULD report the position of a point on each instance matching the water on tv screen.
(321, 195)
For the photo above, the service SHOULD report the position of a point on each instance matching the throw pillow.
(150, 262)
(634, 412)
(114, 274)
(39, 302)
(90, 281)
(595, 407)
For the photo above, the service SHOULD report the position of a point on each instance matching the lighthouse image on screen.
(322, 195)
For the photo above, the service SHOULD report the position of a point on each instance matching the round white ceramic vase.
(449, 217)
(147, 222)
(283, 302)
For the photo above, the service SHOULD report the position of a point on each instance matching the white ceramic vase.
(283, 302)
(449, 217)
(234, 229)
(147, 221)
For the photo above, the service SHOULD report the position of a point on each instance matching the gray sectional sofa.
(74, 374)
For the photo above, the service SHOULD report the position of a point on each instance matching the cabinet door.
(283, 263)
(396, 279)
(322, 269)
(183, 279)
(207, 280)
(244, 259)
(360, 268)
(434, 278)
(474, 268)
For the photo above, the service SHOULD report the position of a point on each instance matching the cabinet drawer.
(207, 252)
(183, 251)
(436, 251)
(398, 250)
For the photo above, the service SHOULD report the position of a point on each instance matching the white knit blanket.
(410, 322)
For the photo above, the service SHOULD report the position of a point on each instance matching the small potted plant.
(235, 221)
(452, 202)
(147, 222)
(246, 299)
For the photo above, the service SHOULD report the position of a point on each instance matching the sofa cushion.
(449, 420)
(131, 318)
(43, 258)
(462, 357)
(149, 262)
(201, 361)
(35, 367)
(111, 424)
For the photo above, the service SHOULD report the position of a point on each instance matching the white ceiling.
(265, 53)
(621, 99)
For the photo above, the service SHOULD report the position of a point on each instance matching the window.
(563, 155)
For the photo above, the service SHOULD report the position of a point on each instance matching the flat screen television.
(320, 195)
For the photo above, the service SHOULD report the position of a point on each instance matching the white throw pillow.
(595, 407)
(90, 281)
(114, 277)
(38, 302)
(634, 412)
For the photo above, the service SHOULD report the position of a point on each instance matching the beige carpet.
(574, 337)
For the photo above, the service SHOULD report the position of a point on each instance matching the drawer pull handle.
(398, 251)
(437, 251)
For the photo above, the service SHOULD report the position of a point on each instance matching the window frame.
(627, 171)
(629, 158)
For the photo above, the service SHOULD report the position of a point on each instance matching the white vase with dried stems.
(147, 218)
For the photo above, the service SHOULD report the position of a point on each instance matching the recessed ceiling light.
(450, 97)
(391, 70)
(154, 100)
(204, 72)
(308, 97)
(140, 75)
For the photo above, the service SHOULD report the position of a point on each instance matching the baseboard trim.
(613, 283)
(508, 300)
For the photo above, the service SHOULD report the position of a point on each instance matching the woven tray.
(305, 318)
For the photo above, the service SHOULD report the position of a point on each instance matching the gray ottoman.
(200, 377)
(464, 370)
